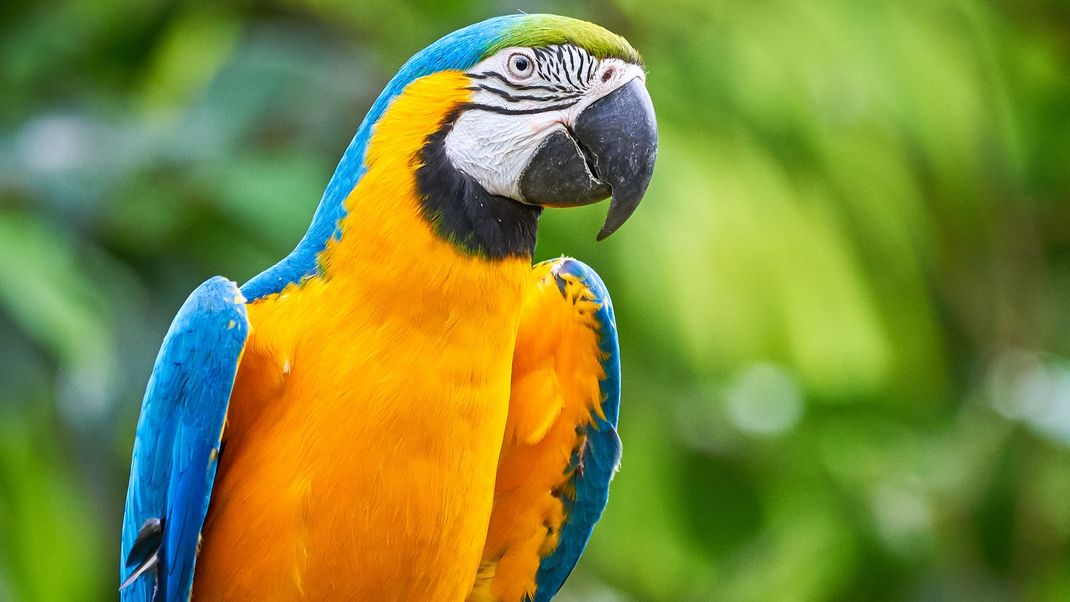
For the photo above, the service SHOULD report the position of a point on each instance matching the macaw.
(404, 408)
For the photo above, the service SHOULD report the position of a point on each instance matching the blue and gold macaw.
(404, 408)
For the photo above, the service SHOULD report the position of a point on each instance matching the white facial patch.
(521, 96)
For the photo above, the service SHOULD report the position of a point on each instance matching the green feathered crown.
(548, 30)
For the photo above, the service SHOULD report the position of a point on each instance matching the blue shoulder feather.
(176, 447)
(594, 464)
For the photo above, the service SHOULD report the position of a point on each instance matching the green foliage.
(843, 303)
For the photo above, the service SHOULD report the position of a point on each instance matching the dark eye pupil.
(521, 64)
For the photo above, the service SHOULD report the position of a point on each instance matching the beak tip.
(621, 208)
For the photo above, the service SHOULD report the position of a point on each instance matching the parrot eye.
(520, 66)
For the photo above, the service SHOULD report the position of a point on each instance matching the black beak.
(609, 151)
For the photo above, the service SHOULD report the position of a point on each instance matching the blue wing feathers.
(595, 463)
(178, 434)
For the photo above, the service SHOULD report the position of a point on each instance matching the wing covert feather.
(176, 446)
(561, 447)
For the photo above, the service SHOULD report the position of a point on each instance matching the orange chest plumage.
(367, 416)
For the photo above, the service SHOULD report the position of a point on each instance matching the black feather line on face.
(542, 58)
(503, 79)
(560, 54)
(521, 97)
(571, 65)
(473, 106)
(463, 213)
(566, 69)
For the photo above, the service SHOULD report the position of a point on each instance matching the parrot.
(407, 407)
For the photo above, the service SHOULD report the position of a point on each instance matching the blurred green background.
(844, 303)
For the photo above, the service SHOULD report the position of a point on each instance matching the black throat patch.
(463, 213)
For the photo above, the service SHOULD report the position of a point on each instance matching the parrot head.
(536, 111)
(559, 116)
